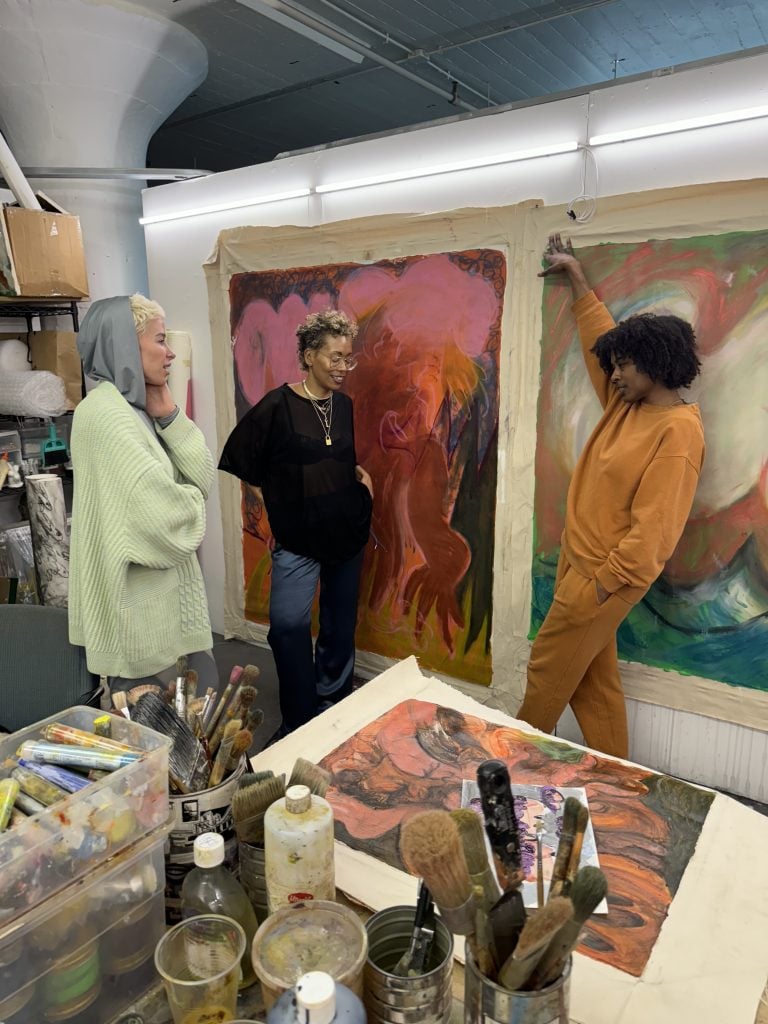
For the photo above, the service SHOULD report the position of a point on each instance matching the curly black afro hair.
(662, 347)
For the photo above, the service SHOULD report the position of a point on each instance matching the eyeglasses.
(350, 362)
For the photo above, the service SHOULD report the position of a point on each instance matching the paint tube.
(102, 726)
(70, 781)
(57, 733)
(75, 757)
(28, 805)
(39, 789)
(9, 790)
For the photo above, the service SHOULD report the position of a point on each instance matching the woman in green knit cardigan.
(142, 473)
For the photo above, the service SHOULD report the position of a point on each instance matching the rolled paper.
(28, 805)
(9, 790)
(57, 733)
(75, 757)
(50, 536)
(70, 781)
(39, 789)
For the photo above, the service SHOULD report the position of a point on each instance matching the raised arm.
(592, 317)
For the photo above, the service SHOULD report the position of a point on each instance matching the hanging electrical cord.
(582, 208)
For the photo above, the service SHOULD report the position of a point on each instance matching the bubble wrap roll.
(34, 393)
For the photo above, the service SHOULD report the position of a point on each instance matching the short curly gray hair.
(312, 332)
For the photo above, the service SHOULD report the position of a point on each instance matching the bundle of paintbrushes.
(188, 764)
(258, 790)
(513, 948)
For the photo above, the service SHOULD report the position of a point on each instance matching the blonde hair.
(144, 310)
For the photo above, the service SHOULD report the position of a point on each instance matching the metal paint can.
(390, 999)
(488, 1003)
(192, 814)
(252, 877)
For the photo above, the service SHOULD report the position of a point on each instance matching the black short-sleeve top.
(316, 505)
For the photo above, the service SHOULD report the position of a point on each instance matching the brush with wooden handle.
(239, 708)
(216, 710)
(588, 890)
(565, 846)
(481, 873)
(534, 940)
(231, 729)
(507, 915)
(582, 820)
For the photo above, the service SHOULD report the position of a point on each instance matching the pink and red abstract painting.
(426, 394)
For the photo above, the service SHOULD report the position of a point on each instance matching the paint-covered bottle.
(317, 999)
(298, 849)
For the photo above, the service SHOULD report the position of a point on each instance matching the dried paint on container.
(487, 1003)
(315, 936)
(391, 999)
(298, 849)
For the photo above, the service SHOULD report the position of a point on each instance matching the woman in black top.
(296, 451)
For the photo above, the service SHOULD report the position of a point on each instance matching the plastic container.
(74, 836)
(87, 952)
(392, 999)
(317, 999)
(314, 936)
(210, 889)
(298, 849)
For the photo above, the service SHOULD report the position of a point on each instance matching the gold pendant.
(327, 442)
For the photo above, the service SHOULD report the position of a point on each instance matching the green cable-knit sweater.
(136, 599)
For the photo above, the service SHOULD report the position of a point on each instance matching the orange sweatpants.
(574, 661)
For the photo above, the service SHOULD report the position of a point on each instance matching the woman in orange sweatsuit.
(628, 502)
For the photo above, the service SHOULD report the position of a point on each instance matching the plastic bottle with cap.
(298, 849)
(317, 999)
(210, 888)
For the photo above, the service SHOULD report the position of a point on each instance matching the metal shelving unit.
(27, 309)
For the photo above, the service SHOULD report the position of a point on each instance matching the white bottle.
(298, 849)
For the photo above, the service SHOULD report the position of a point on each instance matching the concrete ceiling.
(271, 90)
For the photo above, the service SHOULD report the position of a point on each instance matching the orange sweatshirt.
(633, 486)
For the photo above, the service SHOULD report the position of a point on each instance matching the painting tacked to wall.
(414, 758)
(707, 615)
(426, 397)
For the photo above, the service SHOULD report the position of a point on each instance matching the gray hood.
(109, 348)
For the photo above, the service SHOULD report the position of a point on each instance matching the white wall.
(176, 250)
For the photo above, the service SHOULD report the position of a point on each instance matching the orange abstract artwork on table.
(426, 397)
(414, 758)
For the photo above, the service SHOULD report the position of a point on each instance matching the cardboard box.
(44, 254)
(56, 351)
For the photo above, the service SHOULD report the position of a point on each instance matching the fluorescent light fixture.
(276, 12)
(687, 124)
(238, 204)
(459, 165)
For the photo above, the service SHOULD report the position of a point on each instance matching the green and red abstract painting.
(426, 394)
(707, 615)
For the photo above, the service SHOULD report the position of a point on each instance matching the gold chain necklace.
(324, 409)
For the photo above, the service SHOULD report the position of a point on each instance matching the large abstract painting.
(426, 393)
(415, 756)
(708, 613)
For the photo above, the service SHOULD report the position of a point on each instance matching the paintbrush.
(216, 709)
(225, 749)
(240, 744)
(239, 709)
(120, 703)
(430, 846)
(507, 915)
(413, 962)
(249, 805)
(180, 696)
(473, 841)
(305, 773)
(539, 864)
(534, 939)
(588, 890)
(248, 778)
(582, 820)
(564, 847)
(187, 763)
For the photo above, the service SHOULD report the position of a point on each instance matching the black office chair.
(40, 671)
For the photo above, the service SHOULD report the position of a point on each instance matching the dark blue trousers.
(309, 678)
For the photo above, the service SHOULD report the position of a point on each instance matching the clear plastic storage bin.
(77, 834)
(86, 954)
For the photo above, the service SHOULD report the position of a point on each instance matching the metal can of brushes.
(488, 1003)
(391, 999)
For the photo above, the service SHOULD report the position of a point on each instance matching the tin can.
(390, 999)
(488, 1003)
